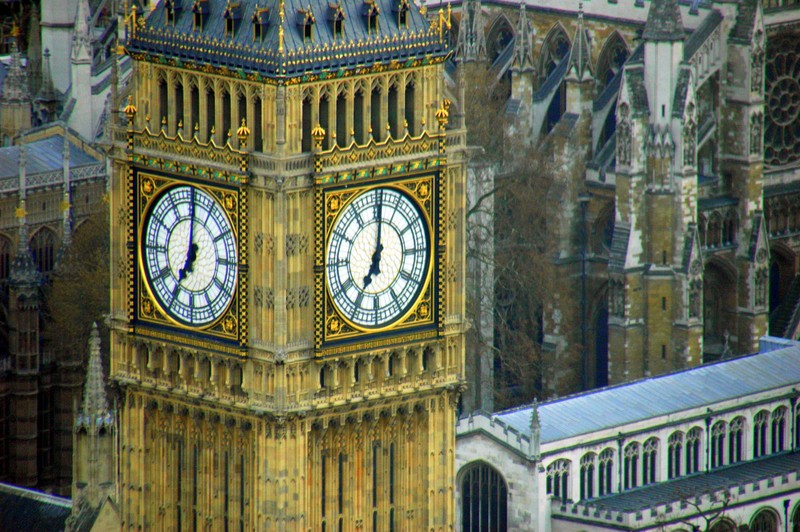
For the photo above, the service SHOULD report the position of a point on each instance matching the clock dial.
(377, 257)
(189, 255)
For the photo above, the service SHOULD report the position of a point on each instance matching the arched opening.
(796, 519)
(719, 308)
(612, 58)
(5, 258)
(781, 275)
(498, 39)
(764, 521)
(43, 247)
(358, 116)
(555, 47)
(410, 108)
(724, 525)
(324, 118)
(179, 105)
(342, 138)
(484, 499)
(305, 139)
(375, 113)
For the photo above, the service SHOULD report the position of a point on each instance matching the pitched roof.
(23, 509)
(664, 22)
(44, 155)
(289, 52)
(628, 403)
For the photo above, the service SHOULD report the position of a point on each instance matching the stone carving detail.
(782, 101)
(296, 243)
(617, 297)
(695, 298)
(297, 297)
(761, 283)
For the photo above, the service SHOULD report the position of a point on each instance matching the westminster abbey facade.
(686, 250)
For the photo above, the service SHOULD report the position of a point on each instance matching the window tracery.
(756, 133)
(718, 433)
(558, 479)
(650, 461)
(778, 429)
(554, 49)
(764, 521)
(782, 98)
(760, 434)
(484, 499)
(631, 466)
(736, 440)
(693, 450)
(674, 453)
(587, 476)
(605, 472)
(612, 58)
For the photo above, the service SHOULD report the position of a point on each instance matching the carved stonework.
(624, 137)
(756, 133)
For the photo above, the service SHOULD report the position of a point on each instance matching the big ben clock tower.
(287, 268)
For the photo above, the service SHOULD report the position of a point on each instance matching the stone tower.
(287, 268)
(15, 100)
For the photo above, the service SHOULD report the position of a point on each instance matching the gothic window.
(760, 434)
(631, 464)
(306, 21)
(199, 10)
(782, 100)
(778, 432)
(587, 476)
(724, 525)
(605, 472)
(650, 461)
(555, 48)
(371, 12)
(409, 110)
(306, 123)
(695, 298)
(169, 9)
(764, 521)
(558, 479)
(232, 15)
(260, 22)
(623, 136)
(336, 16)
(612, 57)
(735, 440)
(796, 519)
(674, 454)
(402, 13)
(693, 450)
(756, 133)
(689, 143)
(617, 295)
(484, 503)
(761, 284)
(5, 258)
(43, 247)
(718, 433)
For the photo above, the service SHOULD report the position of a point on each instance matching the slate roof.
(552, 81)
(22, 509)
(45, 155)
(708, 482)
(628, 403)
(245, 53)
(664, 22)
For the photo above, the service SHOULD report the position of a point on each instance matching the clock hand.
(191, 251)
(375, 267)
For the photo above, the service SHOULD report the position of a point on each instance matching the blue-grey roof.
(553, 80)
(659, 396)
(22, 509)
(245, 54)
(45, 155)
(699, 36)
(699, 484)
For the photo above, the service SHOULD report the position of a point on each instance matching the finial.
(243, 133)
(281, 14)
(130, 110)
(318, 134)
(580, 10)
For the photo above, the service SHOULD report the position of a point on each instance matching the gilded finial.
(281, 14)
(130, 110)
(243, 133)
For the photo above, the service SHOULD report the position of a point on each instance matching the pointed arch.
(765, 520)
(719, 305)
(555, 47)
(43, 245)
(782, 272)
(499, 36)
(6, 254)
(612, 57)
(484, 497)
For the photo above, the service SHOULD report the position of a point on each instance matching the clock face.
(189, 255)
(377, 257)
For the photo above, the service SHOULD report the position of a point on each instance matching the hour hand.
(191, 255)
(375, 267)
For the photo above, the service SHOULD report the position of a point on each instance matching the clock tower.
(287, 268)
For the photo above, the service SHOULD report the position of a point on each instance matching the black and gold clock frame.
(377, 261)
(190, 237)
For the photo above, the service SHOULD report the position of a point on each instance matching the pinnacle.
(664, 22)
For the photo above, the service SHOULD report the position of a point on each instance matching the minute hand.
(191, 251)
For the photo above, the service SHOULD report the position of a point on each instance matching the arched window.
(675, 448)
(723, 525)
(558, 479)
(43, 247)
(778, 429)
(735, 440)
(693, 450)
(760, 434)
(605, 472)
(484, 499)
(796, 519)
(612, 57)
(556, 47)
(587, 476)
(5, 257)
(631, 466)
(718, 432)
(764, 521)
(650, 462)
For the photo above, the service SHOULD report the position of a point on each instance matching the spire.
(34, 54)
(94, 412)
(523, 57)
(23, 269)
(82, 36)
(664, 22)
(536, 432)
(65, 201)
(15, 87)
(580, 55)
